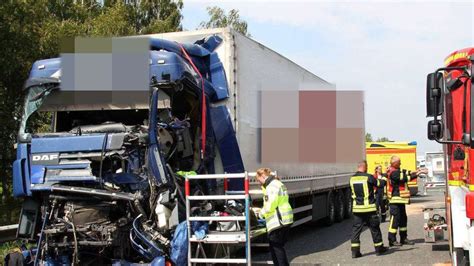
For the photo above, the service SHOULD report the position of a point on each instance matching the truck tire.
(331, 210)
(459, 258)
(339, 205)
(348, 203)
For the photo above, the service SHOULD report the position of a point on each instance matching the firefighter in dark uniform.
(398, 196)
(364, 210)
(381, 193)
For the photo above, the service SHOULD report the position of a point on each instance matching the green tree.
(368, 137)
(158, 16)
(219, 19)
(33, 29)
(19, 33)
(115, 21)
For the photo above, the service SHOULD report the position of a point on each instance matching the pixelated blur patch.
(317, 109)
(86, 45)
(66, 45)
(279, 145)
(349, 109)
(92, 72)
(279, 109)
(349, 147)
(317, 145)
(105, 70)
(312, 126)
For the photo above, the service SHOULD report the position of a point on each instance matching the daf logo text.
(45, 157)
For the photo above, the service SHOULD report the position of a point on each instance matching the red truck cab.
(449, 99)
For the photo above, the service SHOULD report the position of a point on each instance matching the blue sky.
(384, 48)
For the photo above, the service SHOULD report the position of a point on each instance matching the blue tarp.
(179, 245)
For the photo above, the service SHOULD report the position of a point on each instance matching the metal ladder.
(219, 238)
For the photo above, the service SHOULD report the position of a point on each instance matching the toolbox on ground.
(435, 224)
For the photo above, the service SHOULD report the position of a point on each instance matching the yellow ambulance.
(379, 153)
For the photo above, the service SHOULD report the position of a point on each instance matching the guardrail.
(8, 232)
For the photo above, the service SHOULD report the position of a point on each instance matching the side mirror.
(435, 130)
(434, 93)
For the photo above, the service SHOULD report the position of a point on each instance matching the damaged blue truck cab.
(103, 184)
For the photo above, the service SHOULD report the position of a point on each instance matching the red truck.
(449, 98)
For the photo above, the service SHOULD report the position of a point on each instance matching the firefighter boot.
(356, 254)
(380, 250)
(394, 244)
(407, 241)
(404, 239)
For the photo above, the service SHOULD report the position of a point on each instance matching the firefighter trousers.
(381, 202)
(371, 220)
(398, 222)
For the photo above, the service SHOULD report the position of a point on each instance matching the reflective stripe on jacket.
(276, 209)
(398, 191)
(383, 185)
(363, 199)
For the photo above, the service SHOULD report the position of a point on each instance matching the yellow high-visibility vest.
(363, 199)
(276, 209)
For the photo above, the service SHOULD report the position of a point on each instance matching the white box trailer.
(257, 75)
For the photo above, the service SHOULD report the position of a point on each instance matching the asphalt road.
(314, 244)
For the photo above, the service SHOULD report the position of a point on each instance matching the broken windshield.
(33, 101)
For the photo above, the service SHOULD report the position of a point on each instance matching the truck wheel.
(348, 203)
(459, 258)
(331, 210)
(340, 206)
